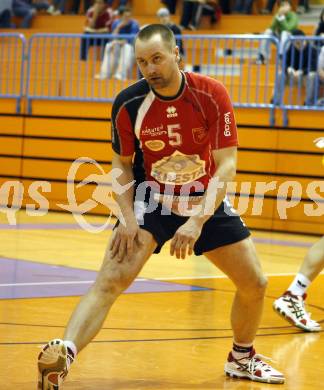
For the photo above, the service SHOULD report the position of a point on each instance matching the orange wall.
(34, 148)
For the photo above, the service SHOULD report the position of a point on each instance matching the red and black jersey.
(173, 138)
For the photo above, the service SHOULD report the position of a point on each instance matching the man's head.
(299, 44)
(157, 55)
(285, 5)
(124, 13)
(163, 15)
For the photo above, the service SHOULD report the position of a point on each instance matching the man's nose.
(151, 68)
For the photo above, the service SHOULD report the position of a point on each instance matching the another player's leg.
(87, 319)
(291, 305)
(240, 263)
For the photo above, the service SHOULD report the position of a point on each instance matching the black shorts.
(223, 228)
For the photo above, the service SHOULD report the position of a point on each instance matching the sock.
(71, 348)
(299, 285)
(241, 351)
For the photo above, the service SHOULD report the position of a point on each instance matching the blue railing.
(64, 67)
(12, 64)
(80, 67)
(300, 83)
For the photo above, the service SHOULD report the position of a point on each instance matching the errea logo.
(227, 128)
(171, 112)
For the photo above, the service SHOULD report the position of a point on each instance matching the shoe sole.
(45, 370)
(290, 320)
(276, 381)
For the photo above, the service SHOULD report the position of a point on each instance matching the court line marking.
(56, 283)
(162, 339)
(137, 280)
(224, 276)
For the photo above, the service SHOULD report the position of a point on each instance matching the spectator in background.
(243, 6)
(87, 4)
(58, 7)
(27, 9)
(76, 6)
(320, 71)
(282, 24)
(209, 8)
(188, 16)
(194, 9)
(301, 66)
(303, 6)
(320, 27)
(5, 13)
(171, 5)
(163, 15)
(99, 21)
(122, 3)
(119, 54)
(225, 6)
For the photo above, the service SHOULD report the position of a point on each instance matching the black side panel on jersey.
(131, 99)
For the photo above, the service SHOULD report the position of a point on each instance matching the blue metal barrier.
(300, 85)
(233, 59)
(12, 61)
(68, 67)
(65, 66)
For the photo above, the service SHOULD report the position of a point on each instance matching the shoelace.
(69, 361)
(256, 362)
(297, 307)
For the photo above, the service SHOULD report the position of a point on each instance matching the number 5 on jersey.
(175, 138)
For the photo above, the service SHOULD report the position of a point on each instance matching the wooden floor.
(171, 331)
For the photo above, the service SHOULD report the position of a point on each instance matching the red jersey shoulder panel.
(217, 108)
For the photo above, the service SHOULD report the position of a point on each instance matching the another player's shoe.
(53, 364)
(253, 368)
(292, 308)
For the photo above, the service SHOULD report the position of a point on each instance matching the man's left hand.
(185, 238)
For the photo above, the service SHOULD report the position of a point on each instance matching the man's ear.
(177, 54)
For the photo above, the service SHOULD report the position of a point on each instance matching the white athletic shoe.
(253, 368)
(53, 364)
(292, 308)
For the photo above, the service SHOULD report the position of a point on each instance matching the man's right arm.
(127, 232)
(125, 200)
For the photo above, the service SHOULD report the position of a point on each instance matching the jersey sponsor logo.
(227, 120)
(199, 134)
(171, 112)
(154, 131)
(178, 168)
(155, 145)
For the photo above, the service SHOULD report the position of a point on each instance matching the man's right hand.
(125, 239)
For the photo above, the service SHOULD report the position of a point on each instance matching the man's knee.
(255, 287)
(112, 281)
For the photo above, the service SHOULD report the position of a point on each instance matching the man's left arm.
(187, 235)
